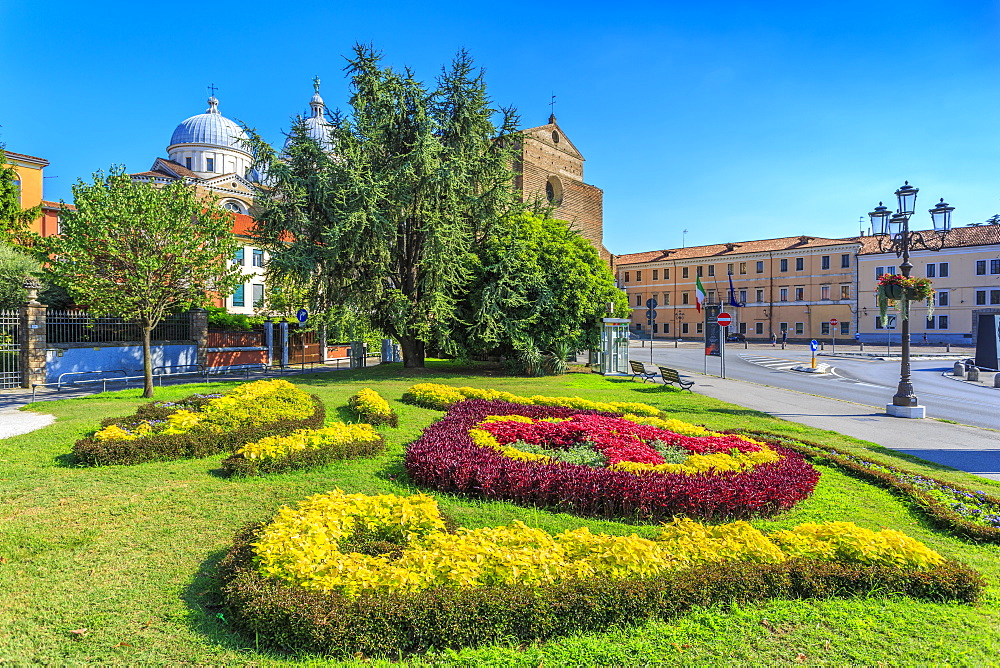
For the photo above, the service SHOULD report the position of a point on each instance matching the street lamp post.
(893, 234)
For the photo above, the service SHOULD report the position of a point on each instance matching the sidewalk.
(966, 448)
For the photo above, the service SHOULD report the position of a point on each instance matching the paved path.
(15, 422)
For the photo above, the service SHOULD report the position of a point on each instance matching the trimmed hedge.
(190, 445)
(446, 459)
(373, 409)
(239, 466)
(389, 625)
(938, 512)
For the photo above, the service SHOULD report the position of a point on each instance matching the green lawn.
(114, 565)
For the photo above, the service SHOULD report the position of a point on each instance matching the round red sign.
(724, 319)
(834, 321)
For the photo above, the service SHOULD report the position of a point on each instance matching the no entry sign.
(833, 322)
(724, 319)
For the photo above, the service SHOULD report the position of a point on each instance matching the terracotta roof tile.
(156, 174)
(979, 235)
(56, 205)
(728, 249)
(179, 169)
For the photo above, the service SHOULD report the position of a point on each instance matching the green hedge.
(193, 444)
(388, 625)
(239, 466)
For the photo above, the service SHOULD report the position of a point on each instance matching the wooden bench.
(639, 369)
(670, 377)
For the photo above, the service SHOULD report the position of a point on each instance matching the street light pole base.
(916, 412)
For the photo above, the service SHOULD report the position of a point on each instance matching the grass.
(114, 565)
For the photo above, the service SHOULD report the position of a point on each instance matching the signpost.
(302, 315)
(813, 346)
(723, 320)
(650, 321)
(833, 331)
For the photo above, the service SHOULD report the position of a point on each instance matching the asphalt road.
(864, 381)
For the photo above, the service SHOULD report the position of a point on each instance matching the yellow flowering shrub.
(303, 546)
(844, 541)
(337, 433)
(721, 462)
(442, 397)
(671, 424)
(371, 407)
(485, 439)
(114, 433)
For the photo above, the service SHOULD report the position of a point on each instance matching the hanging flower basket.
(899, 291)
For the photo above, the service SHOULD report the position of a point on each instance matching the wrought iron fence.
(10, 350)
(81, 327)
(221, 338)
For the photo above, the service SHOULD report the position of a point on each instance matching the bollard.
(746, 344)
(996, 380)
(973, 374)
(948, 348)
(862, 346)
(958, 370)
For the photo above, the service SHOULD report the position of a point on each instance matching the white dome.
(316, 126)
(210, 128)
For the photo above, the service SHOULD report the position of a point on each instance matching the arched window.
(554, 190)
(233, 206)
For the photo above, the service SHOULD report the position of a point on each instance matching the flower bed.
(372, 408)
(965, 511)
(443, 397)
(304, 448)
(459, 454)
(343, 574)
(201, 425)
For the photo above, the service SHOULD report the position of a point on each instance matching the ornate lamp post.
(893, 234)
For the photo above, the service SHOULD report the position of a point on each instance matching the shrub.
(443, 397)
(304, 448)
(372, 408)
(447, 458)
(201, 425)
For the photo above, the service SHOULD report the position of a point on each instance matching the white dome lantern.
(316, 126)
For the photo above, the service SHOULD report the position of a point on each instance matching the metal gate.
(10, 350)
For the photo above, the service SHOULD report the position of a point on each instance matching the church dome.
(210, 128)
(316, 126)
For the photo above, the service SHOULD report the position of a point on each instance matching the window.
(824, 292)
(800, 293)
(699, 328)
(638, 276)
(800, 328)
(930, 269)
(684, 272)
(941, 296)
(238, 259)
(800, 264)
(258, 294)
(782, 326)
(824, 329)
(758, 328)
(980, 267)
(743, 296)
(943, 270)
(238, 299)
(666, 328)
(845, 291)
(980, 297)
(878, 272)
(711, 296)
(638, 326)
(638, 299)
(845, 260)
(684, 328)
(783, 294)
(655, 297)
(878, 322)
(258, 257)
(684, 298)
(656, 330)
(784, 265)
(711, 270)
(626, 277)
(666, 274)
(760, 296)
(825, 262)
(187, 163)
(845, 327)
(59, 225)
(666, 299)
(930, 323)
(209, 164)
(760, 267)
(699, 271)
(729, 269)
(656, 274)
(743, 267)
(233, 206)
(942, 322)
(994, 297)
(743, 328)
(995, 266)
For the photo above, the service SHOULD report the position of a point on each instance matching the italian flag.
(699, 294)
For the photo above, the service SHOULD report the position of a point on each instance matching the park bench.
(670, 377)
(639, 369)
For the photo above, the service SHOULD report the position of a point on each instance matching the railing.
(82, 327)
(218, 338)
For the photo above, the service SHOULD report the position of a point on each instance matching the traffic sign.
(650, 314)
(724, 319)
(813, 345)
(834, 322)
(302, 315)
(651, 303)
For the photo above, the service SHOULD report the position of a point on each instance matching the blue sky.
(733, 120)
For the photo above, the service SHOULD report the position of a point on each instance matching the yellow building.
(966, 278)
(29, 171)
(793, 284)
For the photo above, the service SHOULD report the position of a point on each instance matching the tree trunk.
(147, 360)
(413, 352)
